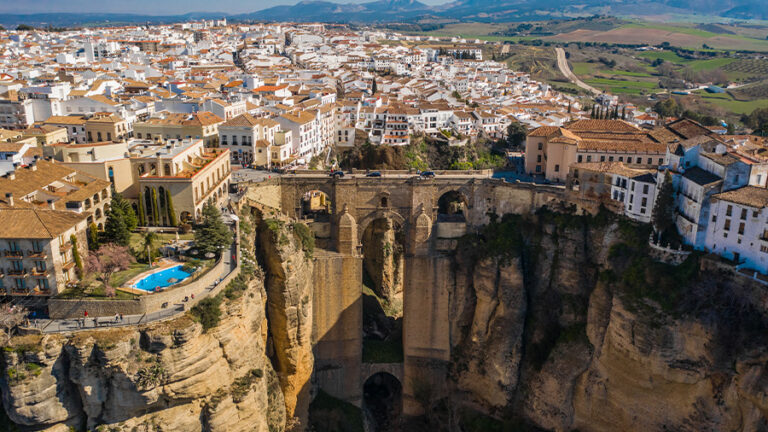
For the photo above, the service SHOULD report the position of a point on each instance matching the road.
(562, 63)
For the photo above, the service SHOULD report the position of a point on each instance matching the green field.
(622, 86)
(725, 101)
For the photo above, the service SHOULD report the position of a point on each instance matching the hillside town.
(163, 116)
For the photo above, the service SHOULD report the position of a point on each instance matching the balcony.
(68, 265)
(14, 254)
(66, 247)
(37, 254)
(39, 273)
(17, 272)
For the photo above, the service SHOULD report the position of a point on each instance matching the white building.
(739, 227)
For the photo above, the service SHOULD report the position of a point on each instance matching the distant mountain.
(380, 11)
(376, 11)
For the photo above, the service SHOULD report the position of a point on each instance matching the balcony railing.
(17, 272)
(13, 253)
(65, 247)
(36, 254)
(37, 272)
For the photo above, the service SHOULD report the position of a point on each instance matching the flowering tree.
(108, 260)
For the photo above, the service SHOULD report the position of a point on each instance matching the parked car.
(336, 174)
(373, 174)
(427, 174)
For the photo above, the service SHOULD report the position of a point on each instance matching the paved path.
(74, 324)
(562, 63)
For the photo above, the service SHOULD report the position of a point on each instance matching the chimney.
(9, 198)
(11, 175)
(33, 166)
(51, 204)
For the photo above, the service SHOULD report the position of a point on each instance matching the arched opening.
(451, 207)
(186, 217)
(98, 213)
(316, 205)
(167, 169)
(382, 402)
(383, 241)
(384, 201)
(101, 227)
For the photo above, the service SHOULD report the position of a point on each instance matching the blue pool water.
(161, 279)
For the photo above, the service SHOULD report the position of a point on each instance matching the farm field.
(656, 34)
(726, 102)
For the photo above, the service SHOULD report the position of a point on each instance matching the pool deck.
(162, 265)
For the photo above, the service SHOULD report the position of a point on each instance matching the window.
(727, 225)
(729, 210)
(759, 179)
(714, 218)
(754, 213)
(37, 246)
(589, 158)
(40, 266)
(629, 159)
(741, 228)
(557, 168)
(661, 161)
(538, 158)
(602, 158)
(538, 168)
(21, 284)
(541, 146)
(645, 189)
(610, 158)
(579, 158)
(644, 202)
(621, 158)
(42, 284)
(650, 161)
(743, 214)
(13, 245)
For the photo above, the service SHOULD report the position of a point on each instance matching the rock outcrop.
(165, 376)
(286, 257)
(552, 339)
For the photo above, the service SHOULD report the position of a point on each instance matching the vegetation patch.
(207, 312)
(243, 385)
(328, 414)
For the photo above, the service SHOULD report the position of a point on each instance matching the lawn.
(92, 288)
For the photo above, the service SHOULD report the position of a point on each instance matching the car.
(427, 174)
(336, 174)
(373, 174)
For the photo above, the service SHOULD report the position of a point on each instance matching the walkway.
(74, 324)
(562, 63)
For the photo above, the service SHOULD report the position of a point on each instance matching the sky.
(150, 7)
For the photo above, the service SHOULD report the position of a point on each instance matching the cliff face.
(548, 338)
(285, 255)
(166, 376)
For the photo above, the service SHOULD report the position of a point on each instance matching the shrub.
(306, 237)
(150, 376)
(207, 312)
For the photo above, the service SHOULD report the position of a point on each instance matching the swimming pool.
(161, 279)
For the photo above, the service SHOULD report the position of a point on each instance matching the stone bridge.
(416, 207)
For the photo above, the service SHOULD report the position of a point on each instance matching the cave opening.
(382, 402)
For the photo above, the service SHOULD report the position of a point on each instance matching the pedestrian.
(95, 322)
(193, 296)
(117, 317)
(121, 317)
(85, 313)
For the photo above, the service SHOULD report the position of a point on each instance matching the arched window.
(167, 169)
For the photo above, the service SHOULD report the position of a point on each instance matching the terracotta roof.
(612, 168)
(36, 223)
(68, 120)
(752, 196)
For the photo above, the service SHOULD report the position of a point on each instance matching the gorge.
(486, 306)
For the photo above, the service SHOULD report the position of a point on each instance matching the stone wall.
(337, 325)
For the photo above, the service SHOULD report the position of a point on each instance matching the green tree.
(142, 216)
(663, 215)
(516, 134)
(149, 239)
(169, 206)
(93, 236)
(374, 86)
(212, 235)
(155, 210)
(115, 229)
(757, 120)
(76, 254)
(131, 221)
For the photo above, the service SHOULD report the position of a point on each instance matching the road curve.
(562, 63)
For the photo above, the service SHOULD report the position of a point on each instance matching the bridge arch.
(302, 190)
(383, 400)
(382, 213)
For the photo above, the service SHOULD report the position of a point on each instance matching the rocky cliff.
(565, 324)
(166, 376)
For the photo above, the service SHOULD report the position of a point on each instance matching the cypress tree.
(169, 207)
(142, 219)
(93, 237)
(155, 211)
